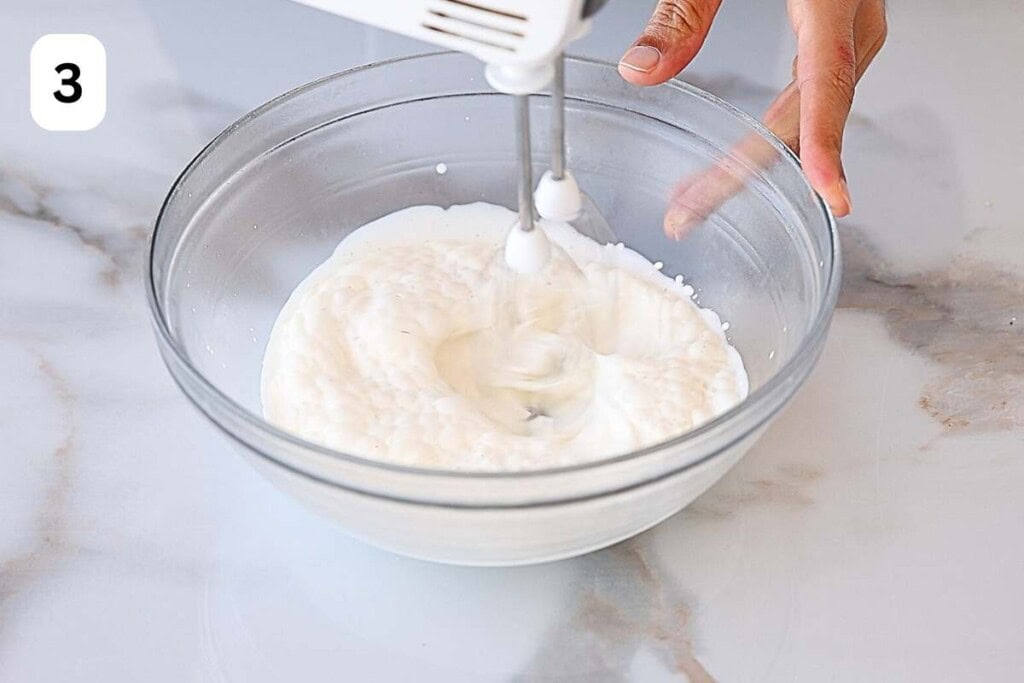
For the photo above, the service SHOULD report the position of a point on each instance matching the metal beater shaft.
(558, 119)
(526, 217)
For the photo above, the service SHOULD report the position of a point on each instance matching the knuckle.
(842, 80)
(678, 17)
(838, 78)
(845, 58)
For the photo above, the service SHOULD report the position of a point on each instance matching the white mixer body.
(518, 39)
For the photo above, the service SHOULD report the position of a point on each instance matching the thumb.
(673, 37)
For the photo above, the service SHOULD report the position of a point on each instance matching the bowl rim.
(803, 357)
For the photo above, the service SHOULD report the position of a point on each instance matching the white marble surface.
(875, 534)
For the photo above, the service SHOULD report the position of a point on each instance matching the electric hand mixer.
(521, 42)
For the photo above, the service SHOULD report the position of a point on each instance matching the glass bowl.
(271, 197)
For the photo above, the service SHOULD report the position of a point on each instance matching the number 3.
(72, 81)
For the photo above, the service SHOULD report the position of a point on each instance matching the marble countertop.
(874, 534)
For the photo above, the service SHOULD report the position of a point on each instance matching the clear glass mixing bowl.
(271, 197)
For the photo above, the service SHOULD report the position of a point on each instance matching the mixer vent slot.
(489, 10)
(490, 26)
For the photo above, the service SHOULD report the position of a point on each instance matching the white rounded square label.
(68, 76)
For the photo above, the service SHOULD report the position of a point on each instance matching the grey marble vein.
(20, 570)
(121, 244)
(963, 317)
(622, 603)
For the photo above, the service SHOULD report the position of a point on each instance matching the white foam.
(414, 343)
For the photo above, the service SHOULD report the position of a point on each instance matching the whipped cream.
(416, 344)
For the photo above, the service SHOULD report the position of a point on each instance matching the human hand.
(836, 41)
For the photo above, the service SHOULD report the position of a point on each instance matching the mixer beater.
(521, 42)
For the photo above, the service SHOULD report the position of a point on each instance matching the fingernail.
(642, 58)
(680, 220)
